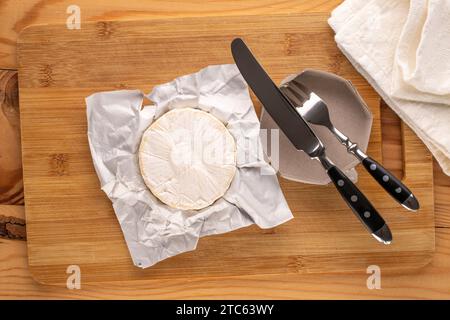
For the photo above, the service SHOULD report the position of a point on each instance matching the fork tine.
(292, 96)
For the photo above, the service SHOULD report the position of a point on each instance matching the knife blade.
(303, 138)
(284, 114)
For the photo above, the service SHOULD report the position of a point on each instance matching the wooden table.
(15, 280)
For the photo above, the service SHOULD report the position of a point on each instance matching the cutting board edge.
(402, 268)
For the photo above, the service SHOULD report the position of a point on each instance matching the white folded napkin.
(402, 48)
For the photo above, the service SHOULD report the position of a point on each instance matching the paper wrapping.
(154, 231)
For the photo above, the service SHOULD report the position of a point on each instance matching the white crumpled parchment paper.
(154, 231)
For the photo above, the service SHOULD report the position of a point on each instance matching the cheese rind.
(187, 158)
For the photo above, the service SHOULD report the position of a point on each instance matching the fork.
(314, 110)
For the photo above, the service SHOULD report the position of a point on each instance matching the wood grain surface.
(11, 185)
(16, 282)
(70, 220)
(18, 14)
(431, 282)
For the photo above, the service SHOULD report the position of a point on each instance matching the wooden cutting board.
(70, 221)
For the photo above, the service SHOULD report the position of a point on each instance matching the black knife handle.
(391, 184)
(360, 205)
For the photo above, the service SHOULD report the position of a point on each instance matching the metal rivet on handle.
(398, 190)
(373, 167)
(354, 198)
(385, 178)
(366, 214)
(340, 183)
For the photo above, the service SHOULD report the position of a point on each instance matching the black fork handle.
(391, 184)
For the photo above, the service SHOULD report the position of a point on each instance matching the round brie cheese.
(187, 158)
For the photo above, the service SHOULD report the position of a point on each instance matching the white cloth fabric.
(402, 48)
